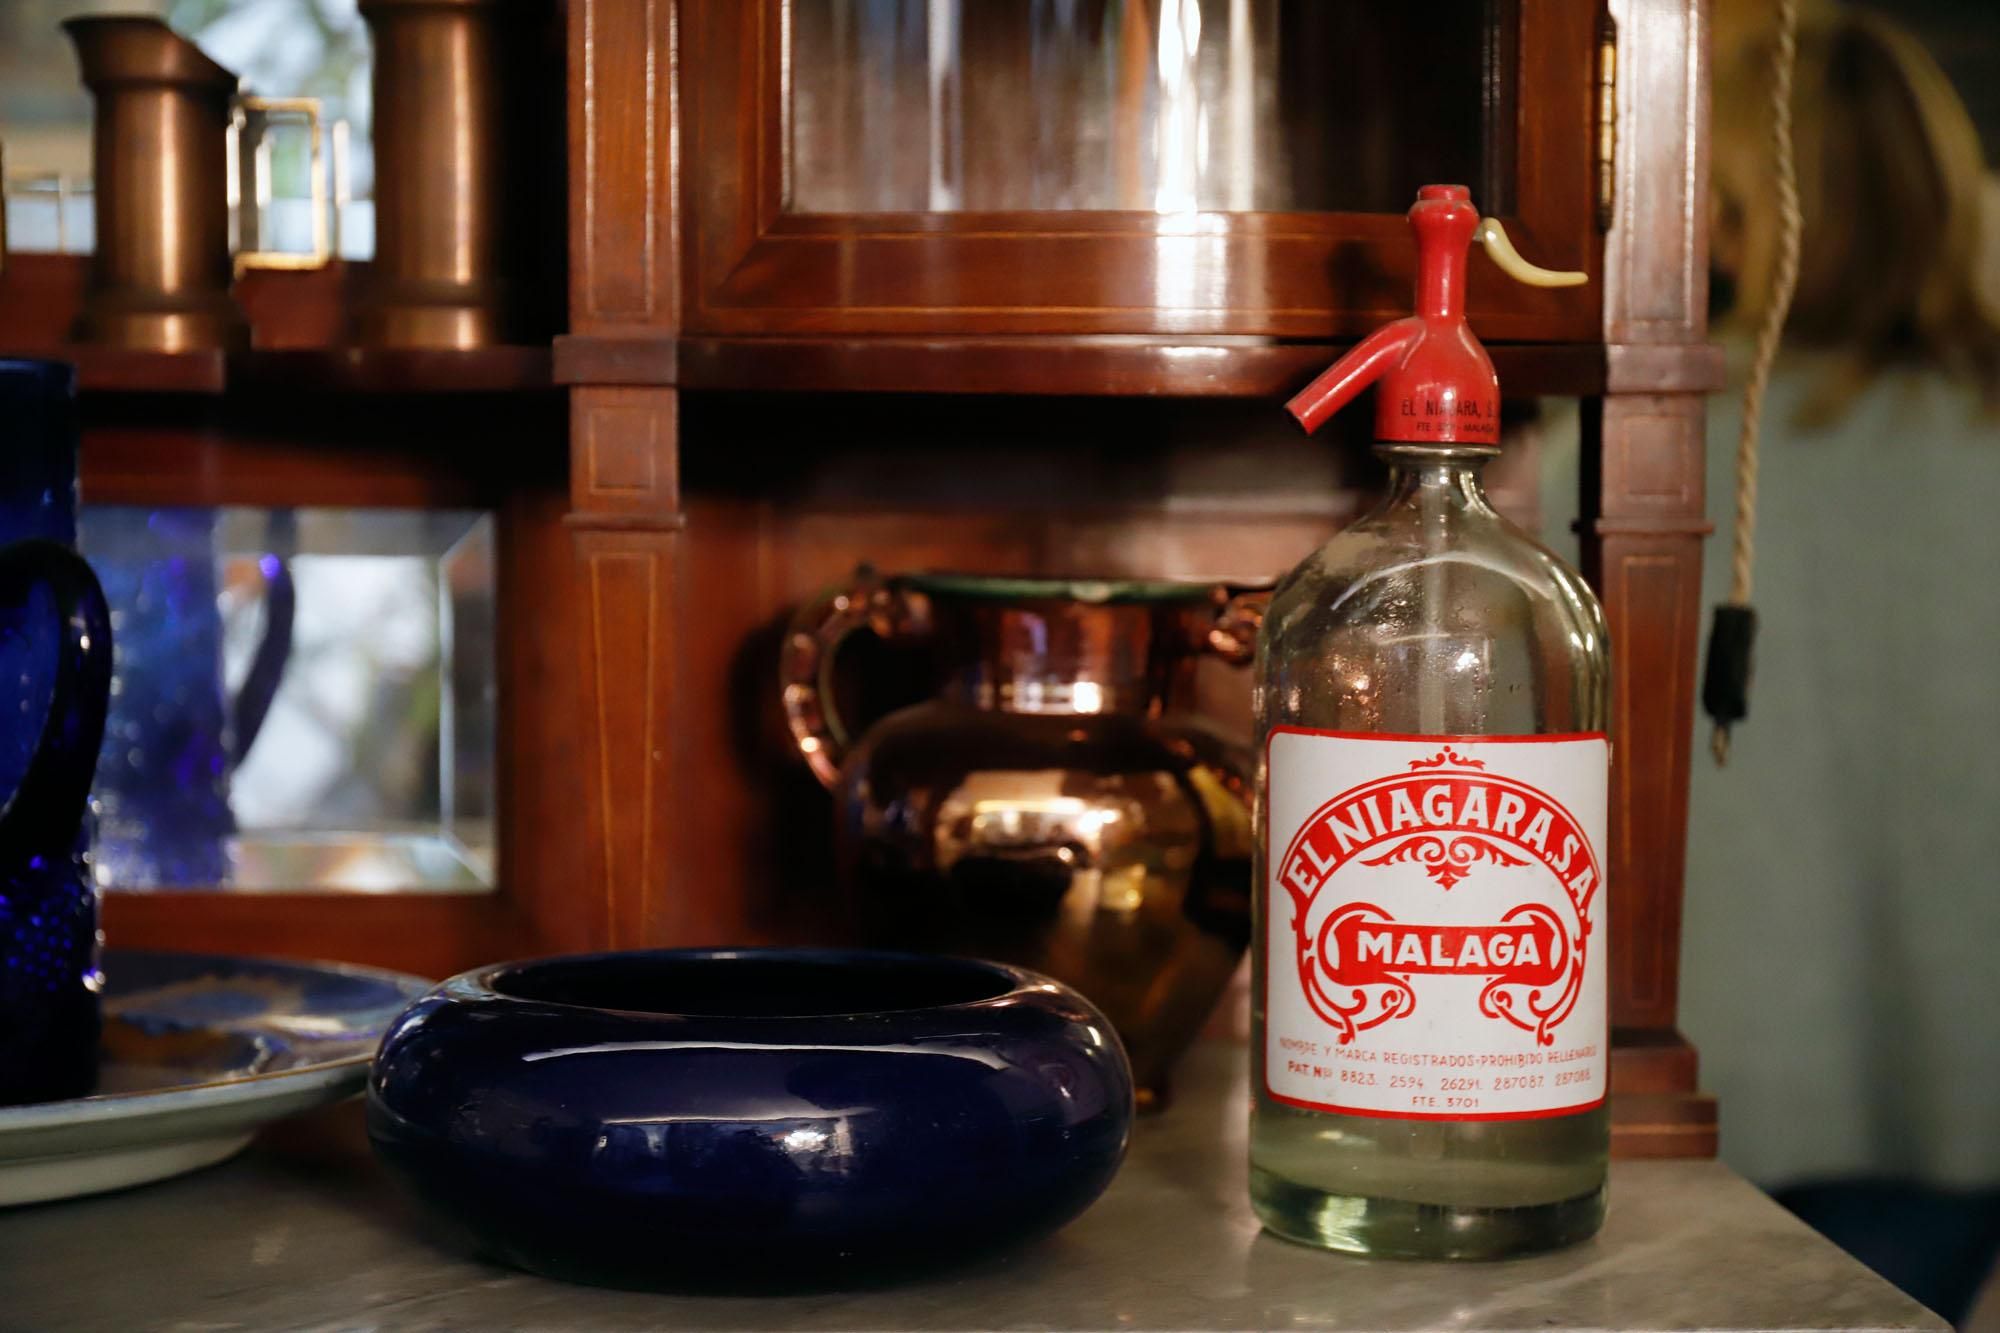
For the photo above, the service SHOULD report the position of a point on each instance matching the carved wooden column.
(1644, 524)
(625, 501)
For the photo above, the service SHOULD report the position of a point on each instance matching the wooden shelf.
(307, 370)
(1082, 366)
(298, 320)
(124, 370)
(393, 370)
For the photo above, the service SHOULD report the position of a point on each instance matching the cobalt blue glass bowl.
(754, 1119)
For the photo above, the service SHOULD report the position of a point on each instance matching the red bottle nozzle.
(1436, 384)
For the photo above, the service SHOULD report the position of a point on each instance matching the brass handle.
(1232, 633)
(812, 642)
(1607, 121)
(1502, 252)
(307, 109)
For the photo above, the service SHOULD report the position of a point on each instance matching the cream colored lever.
(1494, 237)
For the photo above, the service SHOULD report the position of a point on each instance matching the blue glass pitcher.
(175, 735)
(55, 654)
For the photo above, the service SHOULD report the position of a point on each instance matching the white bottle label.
(1435, 924)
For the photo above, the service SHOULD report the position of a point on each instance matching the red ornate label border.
(1447, 849)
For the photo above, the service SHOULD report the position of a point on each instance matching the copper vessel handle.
(805, 664)
(1232, 633)
(306, 109)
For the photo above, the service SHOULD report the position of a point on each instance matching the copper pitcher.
(1052, 806)
(444, 221)
(161, 272)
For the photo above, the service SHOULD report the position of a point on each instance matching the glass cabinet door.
(1125, 166)
(1167, 106)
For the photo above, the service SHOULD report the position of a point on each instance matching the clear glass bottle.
(1429, 1038)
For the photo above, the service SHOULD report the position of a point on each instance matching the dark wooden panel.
(625, 456)
(1655, 583)
(316, 370)
(1643, 553)
(300, 307)
(624, 81)
(624, 517)
(392, 370)
(629, 700)
(429, 451)
(1666, 1124)
(1664, 368)
(1656, 255)
(544, 754)
(586, 358)
(1651, 1060)
(432, 935)
(132, 370)
(1643, 528)
(39, 299)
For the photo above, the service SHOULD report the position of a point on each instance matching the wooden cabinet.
(297, 423)
(829, 190)
(1015, 230)
(1006, 287)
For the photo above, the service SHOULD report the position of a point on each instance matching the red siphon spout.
(1435, 384)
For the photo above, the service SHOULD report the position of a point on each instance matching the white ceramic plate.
(199, 1052)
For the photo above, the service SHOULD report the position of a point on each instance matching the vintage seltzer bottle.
(1430, 1047)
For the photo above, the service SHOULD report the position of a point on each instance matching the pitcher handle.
(805, 664)
(267, 664)
(308, 110)
(45, 811)
(1232, 632)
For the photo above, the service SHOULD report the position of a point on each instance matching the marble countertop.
(303, 1232)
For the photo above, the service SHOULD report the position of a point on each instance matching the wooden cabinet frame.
(755, 268)
(688, 274)
(192, 451)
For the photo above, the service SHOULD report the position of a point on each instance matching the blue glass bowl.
(753, 1119)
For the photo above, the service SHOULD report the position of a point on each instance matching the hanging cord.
(1725, 687)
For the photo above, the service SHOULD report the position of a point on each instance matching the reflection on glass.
(1160, 105)
(302, 699)
(50, 213)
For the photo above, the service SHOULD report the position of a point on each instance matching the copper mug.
(167, 121)
(1053, 805)
(448, 207)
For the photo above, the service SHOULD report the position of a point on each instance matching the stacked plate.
(199, 1051)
